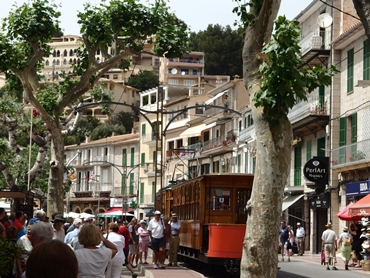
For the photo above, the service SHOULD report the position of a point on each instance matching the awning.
(361, 207)
(196, 130)
(215, 97)
(290, 200)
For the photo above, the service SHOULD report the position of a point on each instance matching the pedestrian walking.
(300, 237)
(175, 241)
(156, 229)
(329, 245)
(345, 242)
(284, 240)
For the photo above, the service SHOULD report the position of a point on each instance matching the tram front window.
(220, 199)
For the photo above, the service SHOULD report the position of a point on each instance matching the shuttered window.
(342, 139)
(366, 60)
(308, 149)
(350, 65)
(124, 157)
(297, 165)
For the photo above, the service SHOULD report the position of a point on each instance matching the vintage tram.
(212, 211)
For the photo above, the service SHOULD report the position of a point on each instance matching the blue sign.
(358, 188)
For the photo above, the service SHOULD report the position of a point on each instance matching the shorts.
(286, 242)
(134, 249)
(158, 243)
(126, 256)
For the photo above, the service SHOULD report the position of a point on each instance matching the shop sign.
(317, 170)
(358, 188)
(319, 202)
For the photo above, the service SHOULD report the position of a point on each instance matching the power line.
(339, 10)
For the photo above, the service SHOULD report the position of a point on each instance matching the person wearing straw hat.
(329, 245)
(345, 243)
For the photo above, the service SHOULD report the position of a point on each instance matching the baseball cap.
(77, 222)
(33, 220)
(89, 218)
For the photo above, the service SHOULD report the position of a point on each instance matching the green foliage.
(101, 93)
(246, 17)
(106, 130)
(124, 119)
(9, 251)
(144, 80)
(284, 81)
(27, 27)
(85, 127)
(222, 47)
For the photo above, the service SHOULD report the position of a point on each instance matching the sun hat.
(89, 218)
(298, 224)
(157, 212)
(174, 215)
(77, 222)
(59, 217)
(328, 225)
(345, 229)
(142, 222)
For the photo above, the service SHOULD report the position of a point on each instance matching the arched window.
(54, 62)
(78, 61)
(98, 60)
(47, 63)
(54, 53)
(98, 52)
(65, 53)
(56, 75)
(58, 53)
(70, 61)
(74, 61)
(58, 62)
(65, 62)
(71, 53)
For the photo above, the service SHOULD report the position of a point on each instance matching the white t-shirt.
(93, 262)
(156, 228)
(59, 235)
(119, 242)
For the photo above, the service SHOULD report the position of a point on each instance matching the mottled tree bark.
(260, 246)
(363, 10)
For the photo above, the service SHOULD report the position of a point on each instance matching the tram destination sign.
(317, 170)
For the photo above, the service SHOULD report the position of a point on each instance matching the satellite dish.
(174, 71)
(183, 73)
(324, 20)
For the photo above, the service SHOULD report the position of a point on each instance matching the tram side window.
(219, 199)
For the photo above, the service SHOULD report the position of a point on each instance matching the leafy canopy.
(144, 80)
(284, 79)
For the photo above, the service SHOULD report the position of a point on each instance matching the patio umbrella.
(361, 207)
(346, 215)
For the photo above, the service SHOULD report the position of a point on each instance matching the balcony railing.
(247, 134)
(315, 40)
(213, 143)
(314, 105)
(191, 151)
(352, 153)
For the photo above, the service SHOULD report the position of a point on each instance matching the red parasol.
(347, 216)
(361, 207)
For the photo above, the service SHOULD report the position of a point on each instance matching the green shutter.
(342, 139)
(132, 156)
(132, 184)
(246, 162)
(154, 159)
(321, 146)
(123, 184)
(141, 193)
(143, 129)
(366, 60)
(350, 65)
(297, 165)
(124, 157)
(354, 128)
(239, 162)
(153, 191)
(142, 159)
(308, 149)
(354, 135)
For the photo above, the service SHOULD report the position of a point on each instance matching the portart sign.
(317, 170)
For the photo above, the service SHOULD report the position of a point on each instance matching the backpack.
(347, 241)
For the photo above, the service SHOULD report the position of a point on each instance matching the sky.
(197, 14)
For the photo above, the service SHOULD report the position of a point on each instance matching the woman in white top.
(143, 242)
(291, 241)
(345, 242)
(93, 259)
(115, 265)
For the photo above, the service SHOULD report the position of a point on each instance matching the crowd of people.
(80, 248)
(348, 243)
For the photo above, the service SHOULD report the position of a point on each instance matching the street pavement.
(305, 266)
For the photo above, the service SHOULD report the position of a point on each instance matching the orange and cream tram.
(212, 211)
